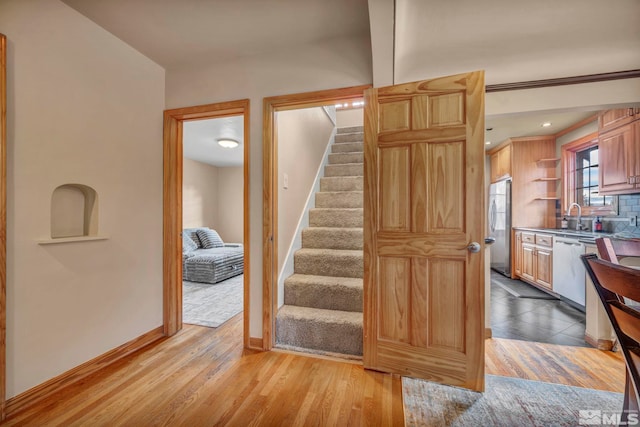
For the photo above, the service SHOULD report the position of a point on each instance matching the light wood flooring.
(203, 377)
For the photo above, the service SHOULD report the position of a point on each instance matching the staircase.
(322, 309)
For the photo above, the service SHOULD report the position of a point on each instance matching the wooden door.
(424, 204)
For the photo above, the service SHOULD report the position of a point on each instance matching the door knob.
(489, 240)
(473, 247)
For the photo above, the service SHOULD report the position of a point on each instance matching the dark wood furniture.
(618, 288)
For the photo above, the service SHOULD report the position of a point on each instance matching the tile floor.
(543, 320)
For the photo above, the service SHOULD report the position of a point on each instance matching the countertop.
(588, 237)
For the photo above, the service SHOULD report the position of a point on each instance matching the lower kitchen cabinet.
(544, 275)
(536, 254)
(517, 267)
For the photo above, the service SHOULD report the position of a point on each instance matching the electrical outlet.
(633, 221)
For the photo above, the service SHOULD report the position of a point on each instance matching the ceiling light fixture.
(488, 142)
(546, 124)
(228, 143)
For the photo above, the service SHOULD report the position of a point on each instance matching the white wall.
(230, 223)
(303, 136)
(332, 64)
(83, 108)
(350, 117)
(199, 194)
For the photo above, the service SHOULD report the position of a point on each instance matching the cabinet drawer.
(544, 240)
(528, 237)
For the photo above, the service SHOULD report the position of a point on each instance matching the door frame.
(172, 206)
(3, 224)
(271, 106)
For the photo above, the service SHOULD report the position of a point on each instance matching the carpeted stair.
(322, 309)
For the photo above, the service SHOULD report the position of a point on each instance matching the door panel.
(394, 190)
(424, 204)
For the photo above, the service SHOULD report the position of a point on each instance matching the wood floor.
(203, 377)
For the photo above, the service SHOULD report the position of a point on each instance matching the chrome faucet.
(579, 223)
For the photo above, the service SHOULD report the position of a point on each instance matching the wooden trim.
(488, 333)
(43, 391)
(255, 343)
(577, 125)
(600, 344)
(272, 105)
(172, 206)
(562, 81)
(568, 157)
(3, 224)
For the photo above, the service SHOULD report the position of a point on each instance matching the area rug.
(519, 289)
(211, 305)
(505, 402)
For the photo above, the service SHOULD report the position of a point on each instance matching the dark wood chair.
(615, 285)
(615, 249)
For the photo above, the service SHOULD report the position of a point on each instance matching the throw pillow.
(188, 244)
(209, 238)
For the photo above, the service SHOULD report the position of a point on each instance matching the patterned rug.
(211, 305)
(506, 402)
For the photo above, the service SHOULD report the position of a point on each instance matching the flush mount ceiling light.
(488, 142)
(228, 143)
(546, 124)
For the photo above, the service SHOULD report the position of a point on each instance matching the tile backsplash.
(628, 205)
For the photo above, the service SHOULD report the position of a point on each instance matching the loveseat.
(207, 259)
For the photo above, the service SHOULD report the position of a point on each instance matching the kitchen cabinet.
(534, 182)
(619, 151)
(517, 254)
(537, 258)
(501, 164)
(611, 119)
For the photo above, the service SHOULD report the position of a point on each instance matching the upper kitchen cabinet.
(501, 164)
(619, 147)
(532, 165)
(611, 119)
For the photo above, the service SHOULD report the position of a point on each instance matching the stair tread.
(326, 280)
(334, 252)
(320, 314)
(337, 229)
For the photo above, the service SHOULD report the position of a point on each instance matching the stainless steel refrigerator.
(500, 226)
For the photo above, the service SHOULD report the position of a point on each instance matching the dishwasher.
(568, 270)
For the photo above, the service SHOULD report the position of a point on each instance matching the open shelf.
(554, 159)
(547, 179)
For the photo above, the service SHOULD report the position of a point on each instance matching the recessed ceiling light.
(228, 143)
(546, 124)
(488, 142)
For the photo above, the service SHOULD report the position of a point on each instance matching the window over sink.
(580, 178)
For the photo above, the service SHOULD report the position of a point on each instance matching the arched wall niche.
(74, 211)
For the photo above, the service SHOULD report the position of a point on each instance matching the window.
(580, 178)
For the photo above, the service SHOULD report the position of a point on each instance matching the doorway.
(272, 106)
(174, 132)
(212, 212)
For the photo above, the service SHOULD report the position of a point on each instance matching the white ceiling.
(530, 124)
(430, 37)
(515, 41)
(200, 141)
(177, 33)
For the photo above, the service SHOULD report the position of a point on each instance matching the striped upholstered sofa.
(207, 259)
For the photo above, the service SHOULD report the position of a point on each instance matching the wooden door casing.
(424, 204)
